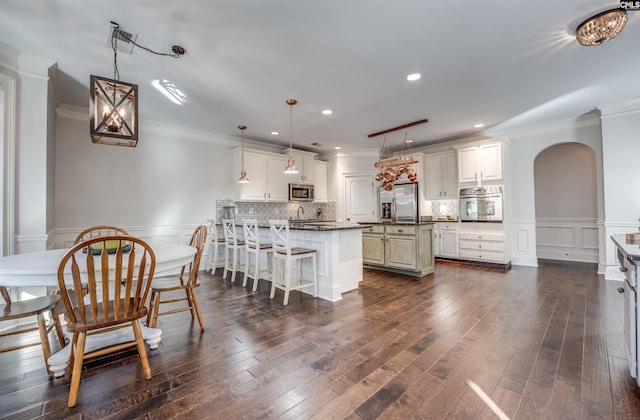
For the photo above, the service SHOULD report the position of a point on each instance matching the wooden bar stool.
(233, 248)
(257, 249)
(289, 258)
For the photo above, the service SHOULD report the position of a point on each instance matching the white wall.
(169, 182)
(525, 147)
(620, 150)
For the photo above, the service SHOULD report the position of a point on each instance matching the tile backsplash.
(444, 209)
(263, 212)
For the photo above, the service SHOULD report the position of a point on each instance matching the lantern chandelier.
(243, 174)
(291, 163)
(602, 27)
(113, 105)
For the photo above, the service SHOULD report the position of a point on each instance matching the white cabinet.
(441, 176)
(482, 246)
(320, 181)
(480, 163)
(265, 172)
(446, 240)
(304, 164)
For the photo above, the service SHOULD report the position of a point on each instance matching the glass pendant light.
(243, 174)
(291, 164)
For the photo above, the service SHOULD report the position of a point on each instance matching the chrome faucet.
(298, 213)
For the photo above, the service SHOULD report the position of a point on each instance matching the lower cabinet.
(446, 240)
(406, 249)
(482, 246)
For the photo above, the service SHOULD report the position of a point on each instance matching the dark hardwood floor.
(531, 343)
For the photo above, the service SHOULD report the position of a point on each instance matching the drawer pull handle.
(400, 231)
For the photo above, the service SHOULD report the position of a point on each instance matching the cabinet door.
(434, 177)
(277, 183)
(448, 244)
(256, 167)
(449, 176)
(373, 249)
(467, 165)
(401, 252)
(320, 181)
(436, 243)
(490, 157)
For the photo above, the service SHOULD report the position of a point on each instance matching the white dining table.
(40, 269)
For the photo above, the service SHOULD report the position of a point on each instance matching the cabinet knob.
(620, 289)
(623, 269)
(479, 246)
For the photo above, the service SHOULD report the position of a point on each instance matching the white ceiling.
(504, 63)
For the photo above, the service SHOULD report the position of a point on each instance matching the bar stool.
(216, 243)
(253, 246)
(233, 246)
(288, 256)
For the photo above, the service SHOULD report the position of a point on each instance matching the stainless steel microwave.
(301, 192)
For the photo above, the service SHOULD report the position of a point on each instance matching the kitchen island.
(339, 254)
(405, 248)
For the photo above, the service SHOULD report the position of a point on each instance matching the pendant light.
(291, 164)
(243, 174)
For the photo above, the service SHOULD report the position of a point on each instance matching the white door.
(360, 198)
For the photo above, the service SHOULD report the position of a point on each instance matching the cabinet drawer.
(446, 226)
(482, 236)
(482, 255)
(487, 246)
(401, 230)
(374, 229)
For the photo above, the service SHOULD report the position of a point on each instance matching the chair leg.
(152, 302)
(256, 274)
(155, 310)
(188, 292)
(234, 266)
(142, 351)
(196, 305)
(287, 283)
(273, 279)
(77, 351)
(226, 262)
(246, 269)
(44, 340)
(57, 326)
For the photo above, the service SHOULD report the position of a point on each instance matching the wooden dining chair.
(44, 309)
(187, 282)
(118, 283)
(100, 230)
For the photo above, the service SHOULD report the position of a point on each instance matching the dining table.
(40, 269)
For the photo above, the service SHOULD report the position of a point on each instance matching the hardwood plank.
(541, 342)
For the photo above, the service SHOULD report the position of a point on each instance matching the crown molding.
(558, 126)
(618, 109)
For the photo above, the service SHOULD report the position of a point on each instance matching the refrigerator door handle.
(393, 209)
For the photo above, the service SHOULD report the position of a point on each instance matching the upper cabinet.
(304, 163)
(265, 172)
(320, 181)
(441, 176)
(480, 163)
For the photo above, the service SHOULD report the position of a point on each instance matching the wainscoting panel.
(567, 239)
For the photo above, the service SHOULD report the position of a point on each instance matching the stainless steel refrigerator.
(400, 205)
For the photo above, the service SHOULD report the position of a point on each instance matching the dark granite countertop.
(629, 244)
(428, 222)
(323, 226)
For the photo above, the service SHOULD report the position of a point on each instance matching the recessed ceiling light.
(478, 126)
(275, 133)
(414, 76)
(327, 112)
(337, 147)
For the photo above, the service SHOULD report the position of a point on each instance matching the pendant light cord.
(291, 130)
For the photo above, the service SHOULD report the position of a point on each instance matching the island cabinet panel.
(373, 245)
(406, 249)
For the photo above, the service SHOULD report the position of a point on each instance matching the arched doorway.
(566, 203)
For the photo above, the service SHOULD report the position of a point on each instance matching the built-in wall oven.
(481, 204)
